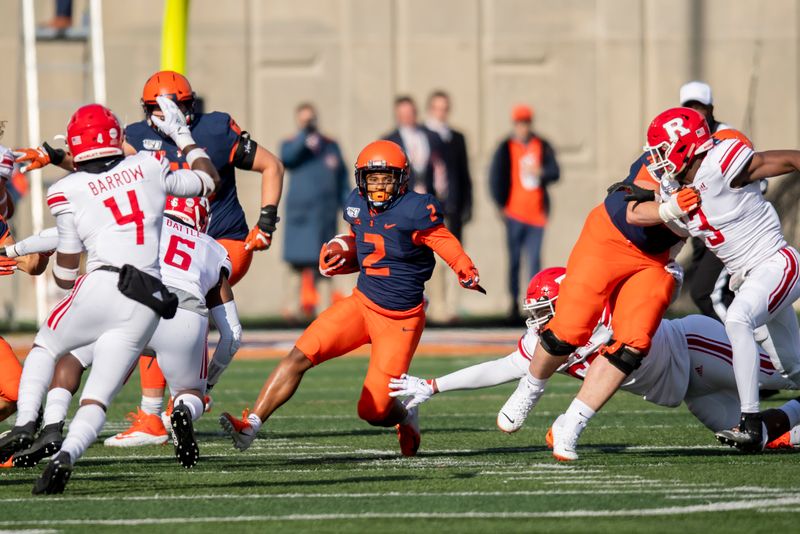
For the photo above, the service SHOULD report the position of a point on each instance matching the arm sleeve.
(242, 147)
(734, 160)
(550, 170)
(44, 241)
(69, 242)
(226, 319)
(445, 244)
(294, 151)
(486, 374)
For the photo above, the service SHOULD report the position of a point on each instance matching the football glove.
(468, 274)
(419, 389)
(260, 237)
(7, 266)
(329, 264)
(679, 204)
(31, 159)
(633, 193)
(173, 125)
(6, 162)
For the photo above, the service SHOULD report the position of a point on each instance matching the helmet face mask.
(381, 174)
(674, 138)
(540, 312)
(381, 186)
(541, 296)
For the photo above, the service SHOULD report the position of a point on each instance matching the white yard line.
(728, 506)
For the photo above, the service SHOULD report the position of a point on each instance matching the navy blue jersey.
(393, 268)
(650, 239)
(3, 230)
(219, 135)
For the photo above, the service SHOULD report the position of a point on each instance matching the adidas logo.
(157, 296)
(699, 370)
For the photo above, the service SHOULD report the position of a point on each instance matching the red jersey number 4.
(136, 215)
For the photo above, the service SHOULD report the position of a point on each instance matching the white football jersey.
(737, 224)
(575, 363)
(117, 214)
(191, 260)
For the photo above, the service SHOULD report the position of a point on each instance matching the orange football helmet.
(730, 133)
(172, 84)
(384, 157)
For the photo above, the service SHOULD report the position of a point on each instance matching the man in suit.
(423, 147)
(455, 191)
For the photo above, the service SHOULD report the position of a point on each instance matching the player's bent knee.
(90, 401)
(298, 360)
(555, 346)
(624, 358)
(7, 408)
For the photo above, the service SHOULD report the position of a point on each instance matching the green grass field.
(318, 467)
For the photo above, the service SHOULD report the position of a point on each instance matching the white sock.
(152, 405)
(83, 430)
(193, 402)
(255, 421)
(745, 364)
(578, 415)
(794, 435)
(534, 386)
(55, 410)
(792, 411)
(37, 372)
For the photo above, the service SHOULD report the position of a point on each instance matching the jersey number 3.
(716, 238)
(136, 216)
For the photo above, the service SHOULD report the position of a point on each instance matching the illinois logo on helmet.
(541, 297)
(382, 173)
(170, 84)
(94, 132)
(193, 211)
(674, 138)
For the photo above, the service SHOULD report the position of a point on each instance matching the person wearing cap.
(522, 168)
(708, 284)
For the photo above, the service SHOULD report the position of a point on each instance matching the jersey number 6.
(180, 259)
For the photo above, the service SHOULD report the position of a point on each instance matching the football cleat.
(565, 441)
(47, 443)
(240, 430)
(16, 439)
(548, 438)
(208, 403)
(145, 429)
(55, 476)
(408, 433)
(8, 463)
(186, 449)
(749, 436)
(512, 415)
(784, 441)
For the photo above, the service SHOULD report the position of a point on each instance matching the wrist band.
(195, 154)
(62, 273)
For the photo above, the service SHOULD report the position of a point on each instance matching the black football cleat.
(55, 476)
(46, 444)
(186, 449)
(749, 436)
(16, 439)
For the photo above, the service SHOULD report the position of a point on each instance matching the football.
(345, 245)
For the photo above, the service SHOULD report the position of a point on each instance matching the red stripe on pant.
(61, 309)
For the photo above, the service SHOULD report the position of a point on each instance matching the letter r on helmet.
(675, 129)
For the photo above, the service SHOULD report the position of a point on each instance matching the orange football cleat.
(145, 429)
(240, 430)
(783, 441)
(548, 438)
(8, 463)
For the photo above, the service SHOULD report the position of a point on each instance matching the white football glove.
(6, 162)
(411, 386)
(173, 125)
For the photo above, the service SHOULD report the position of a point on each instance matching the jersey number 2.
(180, 259)
(375, 256)
(716, 238)
(136, 216)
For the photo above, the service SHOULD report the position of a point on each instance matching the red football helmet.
(541, 296)
(94, 132)
(193, 211)
(673, 139)
(382, 157)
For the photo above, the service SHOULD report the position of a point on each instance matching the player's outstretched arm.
(448, 247)
(226, 318)
(35, 158)
(32, 263)
(271, 169)
(768, 164)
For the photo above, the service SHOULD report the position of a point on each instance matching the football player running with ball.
(396, 233)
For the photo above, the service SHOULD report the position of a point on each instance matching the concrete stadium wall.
(595, 71)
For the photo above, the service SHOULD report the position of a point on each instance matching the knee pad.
(623, 357)
(555, 346)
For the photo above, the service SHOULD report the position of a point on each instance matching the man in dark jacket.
(455, 190)
(522, 167)
(422, 147)
(318, 186)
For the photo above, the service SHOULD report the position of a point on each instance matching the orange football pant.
(10, 372)
(149, 371)
(605, 267)
(355, 321)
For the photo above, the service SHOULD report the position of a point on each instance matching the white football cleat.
(240, 430)
(565, 440)
(516, 409)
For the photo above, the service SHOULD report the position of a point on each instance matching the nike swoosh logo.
(407, 329)
(387, 226)
(507, 417)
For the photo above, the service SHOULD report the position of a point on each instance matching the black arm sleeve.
(245, 153)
